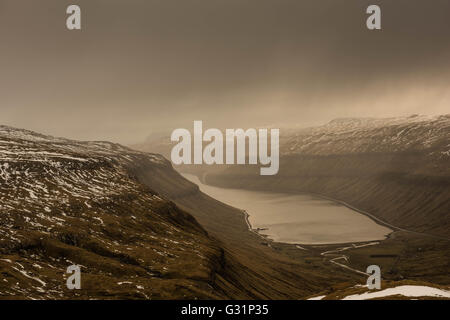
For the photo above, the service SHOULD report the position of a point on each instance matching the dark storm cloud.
(144, 66)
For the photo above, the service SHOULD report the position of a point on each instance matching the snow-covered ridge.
(25, 144)
(42, 176)
(83, 199)
(371, 135)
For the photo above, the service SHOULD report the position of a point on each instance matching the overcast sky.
(138, 67)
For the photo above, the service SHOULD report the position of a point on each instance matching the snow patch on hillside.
(407, 291)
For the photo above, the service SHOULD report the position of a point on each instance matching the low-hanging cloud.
(138, 67)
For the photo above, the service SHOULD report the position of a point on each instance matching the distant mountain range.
(427, 134)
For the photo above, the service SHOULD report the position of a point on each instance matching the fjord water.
(300, 219)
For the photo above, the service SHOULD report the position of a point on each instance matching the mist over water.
(301, 219)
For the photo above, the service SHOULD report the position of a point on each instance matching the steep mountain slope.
(255, 267)
(64, 202)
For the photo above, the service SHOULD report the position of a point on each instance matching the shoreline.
(315, 245)
(341, 202)
(268, 239)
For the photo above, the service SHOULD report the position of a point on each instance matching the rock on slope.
(64, 202)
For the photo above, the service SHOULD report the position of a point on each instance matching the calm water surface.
(301, 219)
